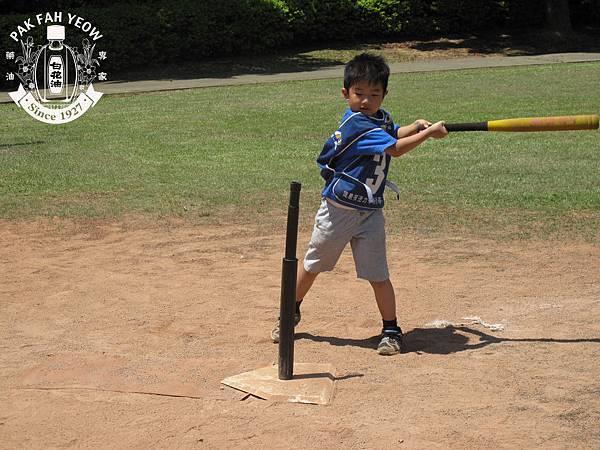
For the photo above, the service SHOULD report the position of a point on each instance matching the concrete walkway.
(337, 72)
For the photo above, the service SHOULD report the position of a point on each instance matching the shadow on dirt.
(328, 375)
(443, 341)
(440, 341)
(341, 342)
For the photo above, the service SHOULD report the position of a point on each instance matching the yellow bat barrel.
(560, 123)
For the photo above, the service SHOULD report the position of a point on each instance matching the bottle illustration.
(56, 77)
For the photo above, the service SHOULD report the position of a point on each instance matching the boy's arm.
(406, 144)
(413, 128)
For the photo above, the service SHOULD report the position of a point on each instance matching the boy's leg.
(391, 339)
(331, 234)
(369, 251)
(304, 282)
(385, 297)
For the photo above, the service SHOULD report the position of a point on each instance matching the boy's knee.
(382, 287)
(308, 273)
(380, 283)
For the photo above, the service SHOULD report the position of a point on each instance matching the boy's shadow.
(439, 341)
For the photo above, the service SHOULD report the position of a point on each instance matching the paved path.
(337, 72)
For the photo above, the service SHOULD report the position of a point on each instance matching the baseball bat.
(560, 123)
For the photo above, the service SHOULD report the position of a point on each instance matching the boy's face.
(364, 97)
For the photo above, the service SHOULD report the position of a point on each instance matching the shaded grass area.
(331, 54)
(229, 154)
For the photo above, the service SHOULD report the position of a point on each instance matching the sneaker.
(275, 332)
(391, 343)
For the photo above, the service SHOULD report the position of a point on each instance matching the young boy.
(354, 163)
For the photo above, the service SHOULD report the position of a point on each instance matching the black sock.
(298, 306)
(391, 326)
(390, 323)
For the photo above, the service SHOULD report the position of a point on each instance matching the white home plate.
(311, 383)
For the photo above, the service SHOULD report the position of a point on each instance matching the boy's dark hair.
(366, 67)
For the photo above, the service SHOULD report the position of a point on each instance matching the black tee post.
(288, 288)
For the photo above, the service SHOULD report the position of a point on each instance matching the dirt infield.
(118, 335)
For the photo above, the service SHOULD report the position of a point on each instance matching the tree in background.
(558, 17)
(161, 32)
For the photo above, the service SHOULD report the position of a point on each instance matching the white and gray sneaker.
(275, 332)
(391, 343)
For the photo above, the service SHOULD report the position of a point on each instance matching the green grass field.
(231, 152)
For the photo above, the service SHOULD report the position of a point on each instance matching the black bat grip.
(468, 126)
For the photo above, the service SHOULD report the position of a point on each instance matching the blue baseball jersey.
(353, 161)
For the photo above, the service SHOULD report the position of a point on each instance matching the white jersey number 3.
(375, 182)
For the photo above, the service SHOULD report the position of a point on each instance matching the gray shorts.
(336, 226)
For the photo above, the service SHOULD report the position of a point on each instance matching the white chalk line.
(472, 320)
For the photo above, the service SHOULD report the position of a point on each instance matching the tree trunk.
(558, 17)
